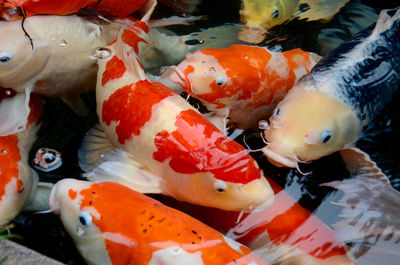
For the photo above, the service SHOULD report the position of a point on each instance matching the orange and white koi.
(112, 224)
(17, 180)
(241, 82)
(284, 233)
(17, 9)
(168, 146)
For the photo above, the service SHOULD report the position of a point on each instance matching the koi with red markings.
(241, 82)
(17, 180)
(112, 224)
(284, 233)
(17, 9)
(164, 140)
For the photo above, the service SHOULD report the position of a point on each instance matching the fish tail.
(388, 18)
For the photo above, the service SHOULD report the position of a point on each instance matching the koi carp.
(17, 9)
(284, 233)
(326, 110)
(18, 182)
(241, 83)
(112, 224)
(161, 144)
(261, 15)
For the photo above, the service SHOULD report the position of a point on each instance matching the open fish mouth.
(279, 160)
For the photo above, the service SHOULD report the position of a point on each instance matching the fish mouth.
(179, 77)
(279, 160)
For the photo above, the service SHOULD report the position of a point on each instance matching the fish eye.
(85, 218)
(221, 80)
(220, 186)
(277, 112)
(5, 57)
(325, 136)
(275, 14)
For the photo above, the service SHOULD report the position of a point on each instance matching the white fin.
(360, 164)
(370, 215)
(40, 199)
(119, 166)
(14, 113)
(94, 144)
(385, 21)
(175, 20)
(321, 9)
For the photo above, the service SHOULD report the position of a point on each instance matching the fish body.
(284, 233)
(10, 9)
(112, 224)
(189, 158)
(17, 180)
(242, 82)
(60, 64)
(327, 109)
(261, 15)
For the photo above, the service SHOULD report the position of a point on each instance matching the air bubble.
(102, 53)
(63, 43)
(263, 124)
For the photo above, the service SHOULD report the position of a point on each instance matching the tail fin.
(371, 216)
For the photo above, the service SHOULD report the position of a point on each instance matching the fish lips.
(279, 160)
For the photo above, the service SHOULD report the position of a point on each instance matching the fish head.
(231, 196)
(201, 76)
(19, 61)
(266, 14)
(307, 125)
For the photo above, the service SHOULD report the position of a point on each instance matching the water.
(63, 131)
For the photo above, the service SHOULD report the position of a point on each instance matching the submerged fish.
(59, 65)
(168, 146)
(284, 233)
(261, 15)
(17, 9)
(241, 83)
(112, 224)
(187, 6)
(18, 181)
(326, 110)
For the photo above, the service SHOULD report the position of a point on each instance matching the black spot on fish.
(194, 232)
(234, 261)
(161, 220)
(143, 212)
(145, 230)
(193, 242)
(151, 218)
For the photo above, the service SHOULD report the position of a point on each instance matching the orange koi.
(17, 9)
(17, 180)
(112, 224)
(284, 233)
(162, 138)
(241, 82)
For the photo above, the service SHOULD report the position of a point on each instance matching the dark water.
(63, 130)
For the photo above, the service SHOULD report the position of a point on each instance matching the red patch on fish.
(147, 222)
(198, 146)
(115, 68)
(9, 158)
(132, 37)
(132, 105)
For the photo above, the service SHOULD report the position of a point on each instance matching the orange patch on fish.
(115, 68)
(132, 106)
(72, 194)
(132, 35)
(213, 152)
(149, 226)
(9, 158)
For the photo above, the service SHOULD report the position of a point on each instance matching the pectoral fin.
(119, 166)
(94, 144)
(40, 199)
(360, 164)
(14, 113)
